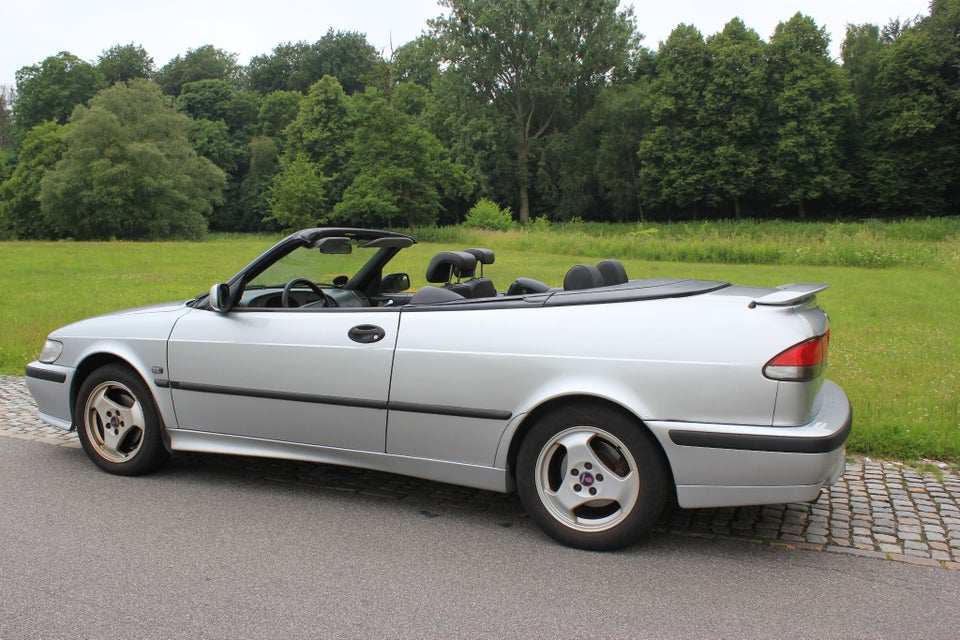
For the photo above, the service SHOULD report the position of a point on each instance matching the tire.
(591, 477)
(118, 422)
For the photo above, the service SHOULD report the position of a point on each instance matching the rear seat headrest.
(483, 256)
(447, 265)
(582, 276)
(612, 272)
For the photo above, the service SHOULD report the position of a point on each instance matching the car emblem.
(586, 479)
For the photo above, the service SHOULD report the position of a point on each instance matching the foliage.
(674, 157)
(122, 63)
(50, 90)
(552, 108)
(7, 127)
(912, 132)
(533, 58)
(20, 213)
(314, 157)
(203, 63)
(129, 171)
(396, 171)
(487, 214)
(277, 110)
(299, 194)
(346, 56)
(812, 108)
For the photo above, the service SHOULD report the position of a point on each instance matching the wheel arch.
(96, 360)
(559, 403)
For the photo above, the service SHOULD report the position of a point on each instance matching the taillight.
(801, 362)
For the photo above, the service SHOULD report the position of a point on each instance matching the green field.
(894, 302)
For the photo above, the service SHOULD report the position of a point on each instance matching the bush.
(487, 214)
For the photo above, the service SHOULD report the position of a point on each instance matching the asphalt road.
(202, 550)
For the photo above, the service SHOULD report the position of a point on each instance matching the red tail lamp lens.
(804, 361)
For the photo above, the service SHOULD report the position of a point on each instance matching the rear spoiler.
(788, 294)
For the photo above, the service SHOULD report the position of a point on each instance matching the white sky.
(32, 31)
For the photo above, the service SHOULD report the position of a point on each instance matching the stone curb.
(878, 509)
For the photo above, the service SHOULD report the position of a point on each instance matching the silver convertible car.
(597, 401)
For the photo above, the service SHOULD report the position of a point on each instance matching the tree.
(50, 90)
(599, 161)
(203, 63)
(7, 98)
(299, 195)
(277, 110)
(532, 58)
(675, 157)
(125, 62)
(310, 182)
(218, 100)
(912, 137)
(255, 188)
(397, 171)
(345, 55)
(812, 109)
(321, 129)
(735, 96)
(20, 212)
(130, 171)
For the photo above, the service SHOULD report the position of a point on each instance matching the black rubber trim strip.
(408, 407)
(440, 410)
(46, 374)
(276, 395)
(775, 444)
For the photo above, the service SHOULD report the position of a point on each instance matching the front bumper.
(50, 386)
(730, 465)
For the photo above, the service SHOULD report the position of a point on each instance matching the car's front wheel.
(591, 477)
(118, 422)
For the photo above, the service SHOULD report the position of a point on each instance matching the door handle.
(366, 333)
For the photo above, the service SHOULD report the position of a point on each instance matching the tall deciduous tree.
(124, 62)
(397, 171)
(310, 180)
(675, 156)
(7, 98)
(203, 63)
(812, 111)
(735, 97)
(130, 171)
(912, 136)
(51, 89)
(531, 58)
(20, 213)
(345, 55)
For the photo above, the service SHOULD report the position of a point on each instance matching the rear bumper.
(729, 465)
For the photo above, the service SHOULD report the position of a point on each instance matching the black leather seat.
(480, 287)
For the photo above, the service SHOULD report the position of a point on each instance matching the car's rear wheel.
(591, 477)
(118, 422)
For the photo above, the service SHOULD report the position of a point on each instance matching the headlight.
(51, 351)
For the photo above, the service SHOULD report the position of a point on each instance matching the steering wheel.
(286, 301)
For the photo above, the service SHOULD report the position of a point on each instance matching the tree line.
(552, 108)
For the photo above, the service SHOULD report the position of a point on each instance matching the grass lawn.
(895, 347)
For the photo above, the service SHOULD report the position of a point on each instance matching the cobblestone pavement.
(878, 509)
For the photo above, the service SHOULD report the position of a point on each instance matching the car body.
(598, 401)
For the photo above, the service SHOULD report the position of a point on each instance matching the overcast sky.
(32, 31)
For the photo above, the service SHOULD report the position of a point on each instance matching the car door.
(318, 377)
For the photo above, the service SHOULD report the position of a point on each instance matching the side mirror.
(395, 283)
(220, 298)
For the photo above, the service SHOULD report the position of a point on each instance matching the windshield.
(325, 269)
